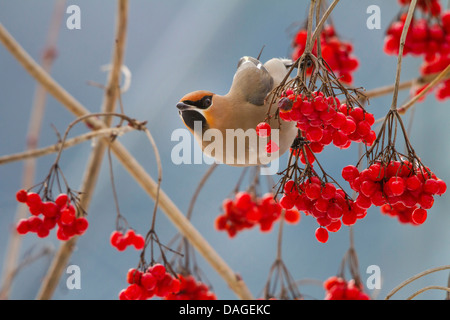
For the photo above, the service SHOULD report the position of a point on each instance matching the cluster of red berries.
(427, 6)
(338, 289)
(337, 53)
(425, 38)
(324, 120)
(404, 214)
(54, 213)
(327, 204)
(245, 212)
(440, 61)
(394, 183)
(155, 281)
(121, 241)
(191, 289)
(422, 39)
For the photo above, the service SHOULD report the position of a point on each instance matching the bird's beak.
(183, 106)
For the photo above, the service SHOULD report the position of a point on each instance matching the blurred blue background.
(175, 47)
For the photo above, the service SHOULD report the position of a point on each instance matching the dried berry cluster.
(155, 281)
(338, 54)
(246, 211)
(45, 215)
(408, 191)
(191, 289)
(121, 241)
(339, 289)
(329, 205)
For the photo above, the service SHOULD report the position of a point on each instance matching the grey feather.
(252, 81)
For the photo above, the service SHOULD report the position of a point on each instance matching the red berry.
(158, 271)
(134, 276)
(272, 147)
(22, 195)
(22, 226)
(133, 292)
(413, 183)
(350, 173)
(62, 200)
(33, 199)
(419, 216)
(115, 238)
(49, 209)
(81, 225)
(334, 226)
(396, 185)
(321, 234)
(139, 242)
(263, 129)
(243, 200)
(148, 281)
(67, 216)
(292, 216)
(42, 231)
(431, 186)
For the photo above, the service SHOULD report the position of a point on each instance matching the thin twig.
(411, 9)
(37, 113)
(413, 278)
(325, 16)
(36, 153)
(95, 160)
(431, 85)
(426, 289)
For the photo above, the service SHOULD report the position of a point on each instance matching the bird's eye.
(207, 102)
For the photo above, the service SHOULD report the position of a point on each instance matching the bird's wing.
(252, 82)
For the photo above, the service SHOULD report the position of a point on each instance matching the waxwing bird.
(224, 126)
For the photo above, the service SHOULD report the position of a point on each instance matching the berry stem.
(411, 9)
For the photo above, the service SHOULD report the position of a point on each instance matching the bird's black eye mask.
(203, 103)
(191, 116)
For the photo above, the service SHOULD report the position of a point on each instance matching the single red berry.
(148, 281)
(243, 200)
(33, 199)
(287, 202)
(396, 185)
(115, 238)
(134, 276)
(158, 271)
(263, 129)
(62, 200)
(321, 234)
(81, 225)
(350, 173)
(133, 292)
(419, 216)
(413, 183)
(22, 226)
(22, 195)
(42, 231)
(67, 216)
(272, 147)
(49, 209)
(292, 216)
(34, 223)
(431, 186)
(139, 242)
(334, 226)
